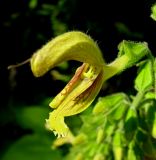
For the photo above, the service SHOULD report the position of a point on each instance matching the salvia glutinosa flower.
(82, 89)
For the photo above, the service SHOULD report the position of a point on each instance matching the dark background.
(25, 26)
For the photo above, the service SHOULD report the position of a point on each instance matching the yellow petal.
(68, 46)
(77, 100)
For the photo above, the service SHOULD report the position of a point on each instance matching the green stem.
(154, 76)
(117, 66)
(153, 70)
(138, 98)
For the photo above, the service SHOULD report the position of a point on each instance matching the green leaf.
(105, 104)
(144, 79)
(131, 155)
(117, 138)
(32, 117)
(33, 4)
(154, 127)
(118, 145)
(148, 148)
(32, 147)
(151, 117)
(133, 51)
(109, 129)
(131, 123)
(129, 54)
(134, 151)
(141, 136)
(153, 10)
(113, 106)
(149, 95)
(154, 66)
(120, 111)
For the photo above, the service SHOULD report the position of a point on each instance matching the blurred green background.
(28, 24)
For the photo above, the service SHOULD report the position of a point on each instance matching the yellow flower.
(82, 89)
(75, 97)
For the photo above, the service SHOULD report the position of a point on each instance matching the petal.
(68, 88)
(68, 46)
(77, 99)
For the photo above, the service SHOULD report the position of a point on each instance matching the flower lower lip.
(77, 95)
